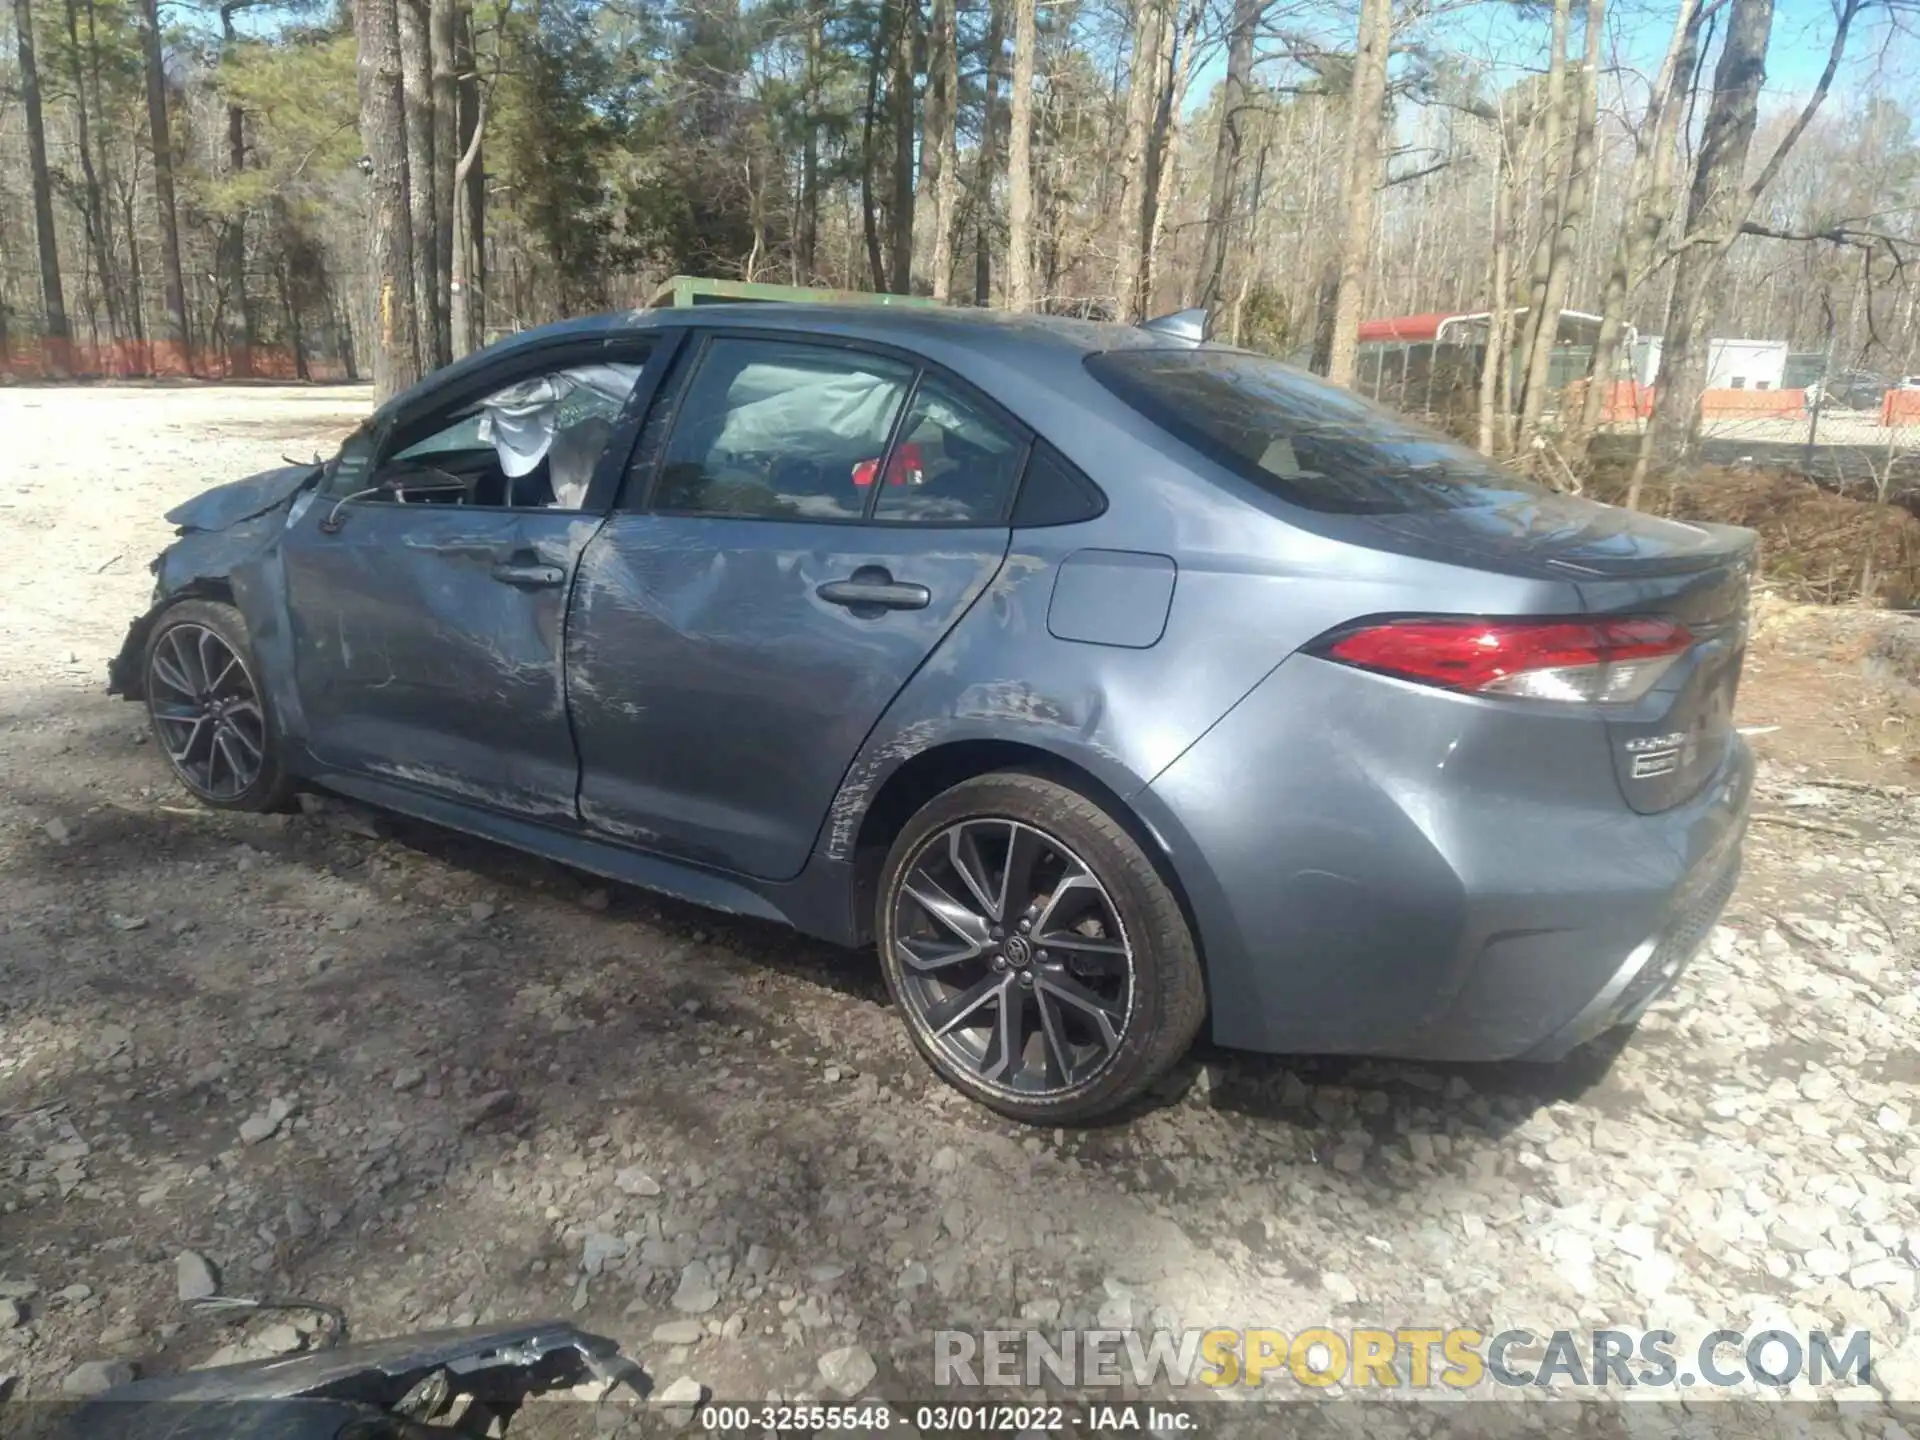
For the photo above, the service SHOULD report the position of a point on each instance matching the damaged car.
(1111, 684)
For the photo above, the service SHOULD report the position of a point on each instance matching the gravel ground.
(342, 1056)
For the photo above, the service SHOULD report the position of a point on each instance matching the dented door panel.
(423, 660)
(718, 697)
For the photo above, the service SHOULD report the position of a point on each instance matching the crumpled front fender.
(227, 535)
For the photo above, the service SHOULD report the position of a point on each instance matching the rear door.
(803, 523)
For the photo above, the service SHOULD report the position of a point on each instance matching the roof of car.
(953, 324)
(1003, 334)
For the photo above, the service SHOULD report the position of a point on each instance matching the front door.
(785, 558)
(428, 592)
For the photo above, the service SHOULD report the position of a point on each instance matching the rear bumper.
(1380, 868)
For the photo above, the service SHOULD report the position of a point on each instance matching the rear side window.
(1311, 443)
(781, 430)
(1054, 492)
(954, 464)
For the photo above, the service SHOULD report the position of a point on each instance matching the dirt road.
(432, 1082)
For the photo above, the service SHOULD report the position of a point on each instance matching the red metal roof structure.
(1406, 328)
(1454, 327)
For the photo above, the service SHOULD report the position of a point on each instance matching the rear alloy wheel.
(209, 714)
(1039, 959)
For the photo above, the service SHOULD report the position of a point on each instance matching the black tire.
(177, 634)
(1166, 994)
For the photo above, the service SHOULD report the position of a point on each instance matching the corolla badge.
(1656, 755)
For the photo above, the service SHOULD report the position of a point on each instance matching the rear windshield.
(1300, 438)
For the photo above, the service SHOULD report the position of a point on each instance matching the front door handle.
(877, 593)
(529, 577)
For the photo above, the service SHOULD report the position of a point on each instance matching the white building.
(1731, 364)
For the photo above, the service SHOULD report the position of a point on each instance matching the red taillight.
(1609, 661)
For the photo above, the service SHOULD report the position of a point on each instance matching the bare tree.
(52, 296)
(1020, 161)
(1495, 404)
(939, 160)
(1177, 46)
(1228, 142)
(1564, 236)
(900, 110)
(446, 122)
(1138, 187)
(416, 82)
(174, 288)
(869, 217)
(1649, 206)
(233, 242)
(383, 131)
(806, 224)
(1552, 190)
(466, 283)
(1718, 206)
(1360, 183)
(989, 152)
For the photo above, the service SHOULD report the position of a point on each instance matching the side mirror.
(334, 518)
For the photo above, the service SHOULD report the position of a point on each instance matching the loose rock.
(847, 1371)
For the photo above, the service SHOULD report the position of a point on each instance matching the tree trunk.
(416, 83)
(1551, 192)
(1137, 183)
(901, 108)
(233, 239)
(1210, 288)
(52, 296)
(383, 135)
(806, 235)
(1360, 183)
(1715, 209)
(869, 221)
(1649, 205)
(989, 154)
(121, 290)
(175, 335)
(467, 263)
(446, 126)
(1493, 404)
(940, 163)
(1173, 100)
(92, 198)
(1565, 236)
(1020, 161)
(1718, 204)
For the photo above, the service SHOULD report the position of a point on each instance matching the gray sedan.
(1113, 686)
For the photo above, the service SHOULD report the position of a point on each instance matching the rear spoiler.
(1187, 325)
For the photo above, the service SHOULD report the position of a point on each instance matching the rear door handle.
(529, 577)
(875, 595)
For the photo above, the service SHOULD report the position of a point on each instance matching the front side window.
(1295, 436)
(955, 464)
(533, 443)
(781, 430)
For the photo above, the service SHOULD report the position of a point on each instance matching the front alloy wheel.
(1038, 956)
(208, 712)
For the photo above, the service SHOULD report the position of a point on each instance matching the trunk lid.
(1674, 741)
(1621, 562)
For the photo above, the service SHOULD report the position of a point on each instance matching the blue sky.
(1514, 42)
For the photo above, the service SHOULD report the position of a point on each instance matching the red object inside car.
(905, 466)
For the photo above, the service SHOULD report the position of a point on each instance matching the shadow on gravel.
(473, 1044)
